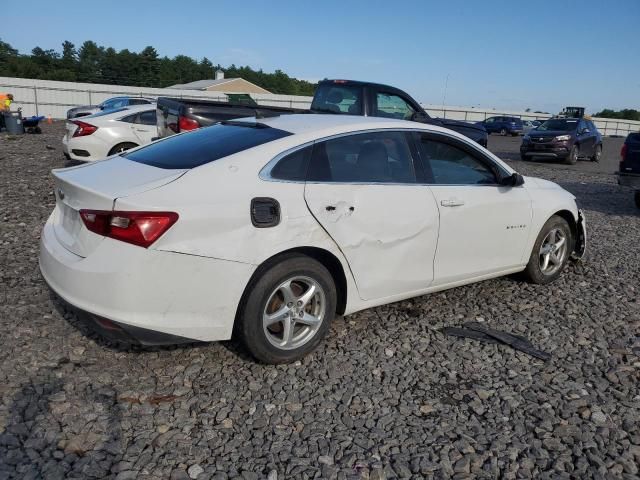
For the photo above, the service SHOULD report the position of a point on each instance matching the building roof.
(203, 84)
(223, 85)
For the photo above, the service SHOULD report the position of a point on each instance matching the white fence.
(51, 98)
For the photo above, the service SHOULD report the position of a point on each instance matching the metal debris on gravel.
(385, 396)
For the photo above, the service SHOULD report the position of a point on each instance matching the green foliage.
(92, 63)
(624, 114)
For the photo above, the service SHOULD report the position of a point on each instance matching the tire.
(122, 147)
(597, 153)
(291, 277)
(572, 158)
(555, 229)
(636, 197)
(523, 157)
(503, 132)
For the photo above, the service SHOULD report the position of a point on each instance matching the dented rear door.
(385, 224)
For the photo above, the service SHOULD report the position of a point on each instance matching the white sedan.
(268, 228)
(98, 136)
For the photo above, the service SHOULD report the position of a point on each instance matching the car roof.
(122, 111)
(320, 125)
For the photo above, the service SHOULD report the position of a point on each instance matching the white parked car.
(269, 228)
(98, 136)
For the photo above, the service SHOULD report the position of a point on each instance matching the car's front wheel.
(288, 310)
(551, 251)
(572, 158)
(503, 132)
(597, 154)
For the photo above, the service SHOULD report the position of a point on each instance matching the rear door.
(144, 126)
(363, 189)
(483, 226)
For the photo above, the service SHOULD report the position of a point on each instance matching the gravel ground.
(386, 396)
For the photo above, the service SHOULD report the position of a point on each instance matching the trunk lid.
(96, 187)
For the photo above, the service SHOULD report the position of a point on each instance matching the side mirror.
(513, 180)
(420, 117)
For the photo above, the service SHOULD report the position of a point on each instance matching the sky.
(542, 55)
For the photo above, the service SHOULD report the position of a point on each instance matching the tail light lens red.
(137, 228)
(187, 124)
(83, 129)
(623, 156)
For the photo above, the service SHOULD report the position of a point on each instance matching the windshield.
(337, 98)
(559, 124)
(114, 103)
(190, 150)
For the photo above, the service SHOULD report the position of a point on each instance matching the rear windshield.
(190, 150)
(559, 124)
(337, 98)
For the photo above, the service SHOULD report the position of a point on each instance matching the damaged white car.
(268, 228)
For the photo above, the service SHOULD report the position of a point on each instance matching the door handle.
(452, 202)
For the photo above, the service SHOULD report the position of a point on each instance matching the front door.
(483, 226)
(362, 188)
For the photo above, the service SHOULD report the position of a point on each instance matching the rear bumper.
(629, 179)
(148, 295)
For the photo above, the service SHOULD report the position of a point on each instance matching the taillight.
(623, 156)
(83, 129)
(138, 228)
(187, 124)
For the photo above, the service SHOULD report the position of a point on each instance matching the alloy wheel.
(294, 312)
(553, 251)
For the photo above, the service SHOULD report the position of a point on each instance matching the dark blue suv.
(503, 125)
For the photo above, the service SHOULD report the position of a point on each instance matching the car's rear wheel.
(597, 154)
(288, 310)
(572, 158)
(551, 251)
(122, 147)
(503, 132)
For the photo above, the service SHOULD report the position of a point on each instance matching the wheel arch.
(571, 220)
(324, 257)
(113, 149)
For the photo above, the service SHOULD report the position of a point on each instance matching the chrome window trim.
(265, 172)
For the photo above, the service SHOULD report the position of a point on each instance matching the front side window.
(337, 98)
(449, 165)
(192, 149)
(377, 157)
(393, 106)
(490, 120)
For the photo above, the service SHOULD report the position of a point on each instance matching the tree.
(624, 114)
(92, 63)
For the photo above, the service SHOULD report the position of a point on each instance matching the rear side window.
(378, 157)
(205, 145)
(292, 166)
(147, 118)
(337, 98)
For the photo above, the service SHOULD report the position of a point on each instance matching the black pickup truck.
(337, 97)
